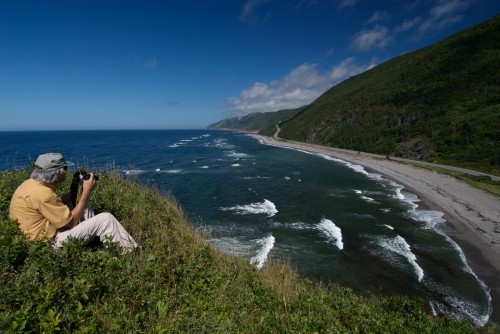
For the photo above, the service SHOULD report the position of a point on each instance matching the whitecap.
(234, 154)
(173, 171)
(430, 217)
(261, 257)
(433, 219)
(367, 199)
(405, 197)
(287, 178)
(204, 167)
(267, 207)
(157, 170)
(333, 232)
(235, 165)
(457, 308)
(399, 246)
(134, 171)
(354, 167)
(255, 177)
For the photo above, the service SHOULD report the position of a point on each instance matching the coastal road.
(378, 156)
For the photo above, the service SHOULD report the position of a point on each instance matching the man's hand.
(88, 185)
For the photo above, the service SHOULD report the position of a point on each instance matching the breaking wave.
(333, 232)
(267, 207)
(261, 257)
(399, 246)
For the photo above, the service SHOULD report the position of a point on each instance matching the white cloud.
(379, 16)
(408, 24)
(443, 14)
(248, 10)
(347, 3)
(449, 7)
(300, 87)
(378, 37)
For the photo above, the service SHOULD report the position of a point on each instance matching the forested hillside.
(255, 121)
(440, 103)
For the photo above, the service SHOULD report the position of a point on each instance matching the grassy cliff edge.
(176, 282)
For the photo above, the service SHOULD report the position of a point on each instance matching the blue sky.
(183, 64)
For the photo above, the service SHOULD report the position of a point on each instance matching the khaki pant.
(103, 225)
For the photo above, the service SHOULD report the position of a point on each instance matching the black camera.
(87, 176)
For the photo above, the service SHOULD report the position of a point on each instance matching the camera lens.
(87, 177)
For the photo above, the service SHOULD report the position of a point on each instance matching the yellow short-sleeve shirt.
(38, 210)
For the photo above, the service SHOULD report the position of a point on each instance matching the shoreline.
(472, 215)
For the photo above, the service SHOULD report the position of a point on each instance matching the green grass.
(175, 282)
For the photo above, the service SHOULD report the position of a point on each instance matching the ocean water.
(332, 220)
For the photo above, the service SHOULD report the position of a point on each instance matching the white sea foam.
(234, 154)
(232, 246)
(365, 198)
(173, 171)
(431, 217)
(433, 220)
(354, 167)
(399, 246)
(333, 232)
(457, 308)
(287, 178)
(261, 257)
(368, 199)
(255, 177)
(157, 169)
(300, 226)
(204, 167)
(220, 143)
(267, 207)
(388, 226)
(134, 171)
(235, 165)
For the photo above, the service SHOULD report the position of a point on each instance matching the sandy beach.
(472, 215)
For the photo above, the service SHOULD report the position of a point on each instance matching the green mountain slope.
(440, 103)
(255, 121)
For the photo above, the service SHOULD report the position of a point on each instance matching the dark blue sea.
(331, 220)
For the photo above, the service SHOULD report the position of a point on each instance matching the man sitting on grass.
(43, 215)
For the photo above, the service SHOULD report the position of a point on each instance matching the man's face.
(61, 175)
